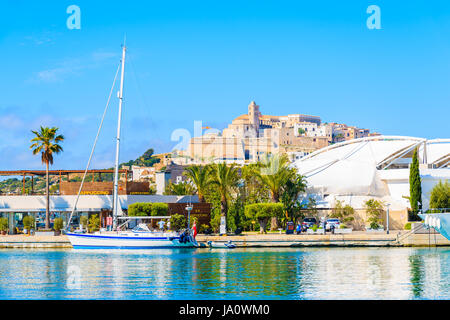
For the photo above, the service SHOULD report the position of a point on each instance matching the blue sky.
(206, 60)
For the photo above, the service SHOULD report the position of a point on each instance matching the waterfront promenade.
(354, 239)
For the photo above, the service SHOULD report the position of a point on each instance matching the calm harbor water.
(300, 273)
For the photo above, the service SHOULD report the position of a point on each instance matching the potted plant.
(3, 225)
(28, 224)
(57, 226)
(343, 229)
(313, 229)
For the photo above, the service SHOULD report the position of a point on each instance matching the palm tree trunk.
(47, 192)
(224, 210)
(274, 225)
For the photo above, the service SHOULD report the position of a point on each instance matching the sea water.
(247, 273)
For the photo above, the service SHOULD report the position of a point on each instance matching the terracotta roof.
(242, 117)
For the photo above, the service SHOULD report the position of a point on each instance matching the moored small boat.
(221, 245)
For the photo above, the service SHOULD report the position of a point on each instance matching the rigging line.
(93, 148)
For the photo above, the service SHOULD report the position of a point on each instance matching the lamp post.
(189, 209)
(387, 218)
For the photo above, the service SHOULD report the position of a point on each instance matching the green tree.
(177, 222)
(58, 224)
(301, 131)
(46, 142)
(84, 221)
(374, 208)
(226, 179)
(440, 196)
(344, 213)
(312, 207)
(253, 190)
(212, 196)
(28, 223)
(179, 189)
(201, 178)
(262, 212)
(140, 209)
(94, 223)
(159, 209)
(291, 192)
(274, 172)
(415, 185)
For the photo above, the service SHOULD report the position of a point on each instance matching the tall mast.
(116, 166)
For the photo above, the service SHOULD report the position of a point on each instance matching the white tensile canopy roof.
(352, 167)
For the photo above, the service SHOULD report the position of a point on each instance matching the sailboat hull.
(107, 241)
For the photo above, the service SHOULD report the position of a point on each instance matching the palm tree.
(201, 178)
(226, 179)
(46, 142)
(179, 189)
(274, 172)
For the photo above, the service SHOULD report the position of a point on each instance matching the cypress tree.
(415, 186)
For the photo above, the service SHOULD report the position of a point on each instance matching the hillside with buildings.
(251, 136)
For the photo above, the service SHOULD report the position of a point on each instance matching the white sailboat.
(138, 238)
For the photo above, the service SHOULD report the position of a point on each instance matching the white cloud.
(74, 66)
(10, 121)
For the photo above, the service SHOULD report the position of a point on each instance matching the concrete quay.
(24, 241)
(354, 239)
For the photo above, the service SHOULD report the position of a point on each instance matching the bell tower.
(253, 116)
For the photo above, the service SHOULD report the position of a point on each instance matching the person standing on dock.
(194, 230)
(161, 224)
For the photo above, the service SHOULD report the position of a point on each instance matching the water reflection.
(300, 273)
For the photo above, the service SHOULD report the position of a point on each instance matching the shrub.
(203, 228)
(3, 224)
(262, 212)
(94, 223)
(314, 227)
(147, 209)
(159, 209)
(408, 226)
(58, 224)
(140, 209)
(177, 222)
(28, 222)
(342, 226)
